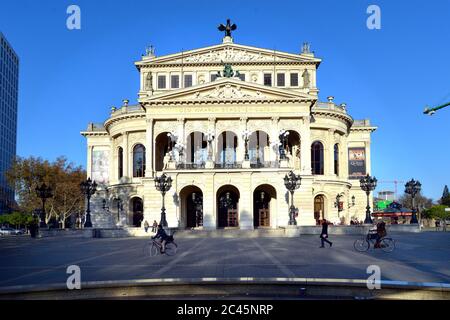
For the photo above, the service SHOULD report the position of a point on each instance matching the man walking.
(324, 234)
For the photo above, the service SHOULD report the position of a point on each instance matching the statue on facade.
(306, 48)
(227, 28)
(149, 82)
(306, 79)
(228, 72)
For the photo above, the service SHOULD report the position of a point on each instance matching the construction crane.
(395, 182)
(433, 110)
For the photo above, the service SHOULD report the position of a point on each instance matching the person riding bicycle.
(381, 233)
(163, 236)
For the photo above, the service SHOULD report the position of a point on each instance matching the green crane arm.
(433, 110)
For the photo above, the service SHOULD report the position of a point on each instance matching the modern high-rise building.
(9, 88)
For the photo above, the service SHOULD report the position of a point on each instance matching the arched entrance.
(264, 199)
(319, 209)
(293, 149)
(258, 148)
(226, 149)
(196, 148)
(228, 206)
(191, 207)
(138, 211)
(162, 148)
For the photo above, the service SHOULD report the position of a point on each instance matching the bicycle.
(153, 248)
(363, 245)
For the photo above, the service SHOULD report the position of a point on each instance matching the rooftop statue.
(227, 28)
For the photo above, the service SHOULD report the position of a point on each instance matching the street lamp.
(44, 193)
(292, 182)
(412, 187)
(337, 203)
(163, 184)
(368, 184)
(246, 136)
(88, 188)
(283, 134)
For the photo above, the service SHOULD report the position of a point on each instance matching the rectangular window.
(188, 80)
(267, 79)
(213, 77)
(175, 81)
(161, 82)
(280, 80)
(294, 79)
(242, 76)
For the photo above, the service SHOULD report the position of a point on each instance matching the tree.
(63, 177)
(436, 212)
(445, 200)
(421, 202)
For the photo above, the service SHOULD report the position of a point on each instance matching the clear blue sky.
(69, 78)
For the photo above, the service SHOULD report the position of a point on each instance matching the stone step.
(230, 233)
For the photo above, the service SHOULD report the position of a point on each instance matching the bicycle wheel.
(154, 250)
(387, 244)
(147, 249)
(171, 248)
(361, 245)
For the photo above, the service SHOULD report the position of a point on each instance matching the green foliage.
(445, 200)
(18, 219)
(62, 176)
(436, 212)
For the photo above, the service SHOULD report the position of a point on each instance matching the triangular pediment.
(228, 53)
(226, 89)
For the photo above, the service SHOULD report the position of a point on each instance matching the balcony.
(230, 165)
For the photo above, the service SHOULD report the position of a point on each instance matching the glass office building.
(9, 83)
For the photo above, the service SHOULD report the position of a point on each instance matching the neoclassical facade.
(227, 123)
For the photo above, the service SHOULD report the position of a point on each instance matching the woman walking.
(324, 234)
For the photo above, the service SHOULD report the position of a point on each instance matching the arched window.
(120, 162)
(317, 158)
(139, 161)
(336, 159)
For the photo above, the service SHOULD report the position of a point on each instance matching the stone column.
(181, 122)
(211, 146)
(274, 137)
(209, 203)
(240, 152)
(89, 161)
(149, 168)
(305, 147)
(329, 154)
(126, 157)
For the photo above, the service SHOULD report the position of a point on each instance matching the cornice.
(234, 63)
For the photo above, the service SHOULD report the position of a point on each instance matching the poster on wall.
(356, 162)
(100, 166)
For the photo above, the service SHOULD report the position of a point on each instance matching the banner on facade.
(356, 162)
(100, 166)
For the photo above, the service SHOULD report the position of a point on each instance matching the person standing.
(155, 225)
(324, 234)
(146, 225)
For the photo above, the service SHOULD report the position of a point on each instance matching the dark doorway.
(262, 198)
(228, 207)
(138, 212)
(319, 209)
(194, 210)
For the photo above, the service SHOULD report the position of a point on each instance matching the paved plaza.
(423, 257)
